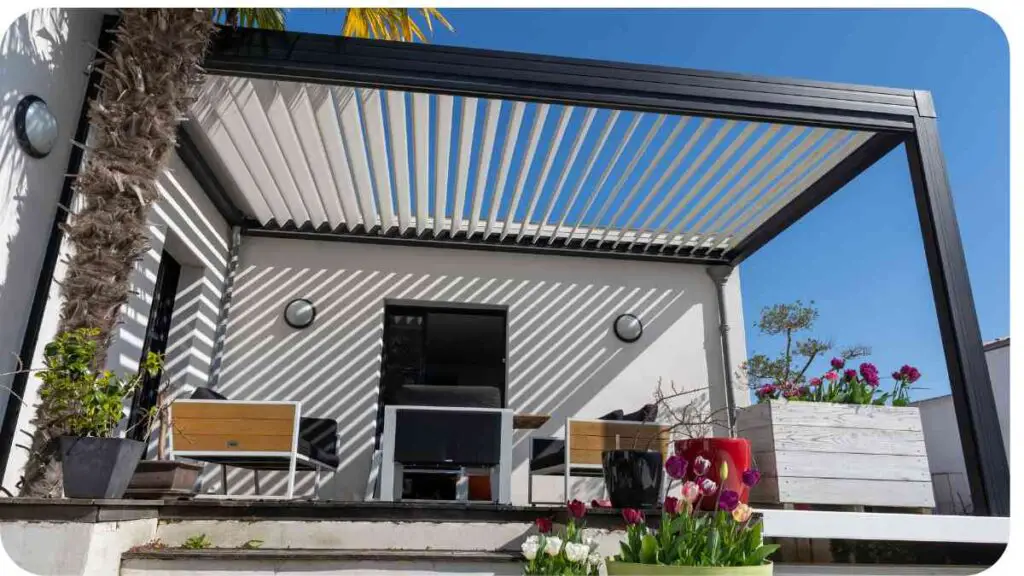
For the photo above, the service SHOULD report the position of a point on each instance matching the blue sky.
(859, 255)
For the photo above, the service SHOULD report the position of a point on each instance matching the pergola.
(329, 138)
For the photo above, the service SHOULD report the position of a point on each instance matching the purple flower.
(849, 375)
(838, 363)
(897, 375)
(675, 467)
(701, 465)
(672, 505)
(815, 382)
(728, 500)
(708, 486)
(751, 477)
(869, 372)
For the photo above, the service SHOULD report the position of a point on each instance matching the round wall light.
(299, 313)
(35, 126)
(628, 328)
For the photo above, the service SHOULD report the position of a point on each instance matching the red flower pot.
(735, 452)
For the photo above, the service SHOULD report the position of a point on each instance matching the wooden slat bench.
(255, 435)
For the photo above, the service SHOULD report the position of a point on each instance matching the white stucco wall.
(187, 225)
(564, 357)
(942, 437)
(45, 52)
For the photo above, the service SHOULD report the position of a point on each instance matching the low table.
(529, 421)
(453, 438)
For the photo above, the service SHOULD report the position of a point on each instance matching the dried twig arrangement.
(686, 419)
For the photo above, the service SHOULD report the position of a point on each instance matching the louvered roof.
(364, 140)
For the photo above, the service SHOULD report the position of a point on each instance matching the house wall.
(942, 437)
(564, 358)
(45, 52)
(187, 225)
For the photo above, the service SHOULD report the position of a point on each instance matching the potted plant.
(727, 541)
(566, 553)
(89, 403)
(840, 440)
(162, 479)
(633, 477)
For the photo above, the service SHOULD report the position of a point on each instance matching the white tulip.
(576, 552)
(553, 545)
(594, 559)
(590, 543)
(530, 548)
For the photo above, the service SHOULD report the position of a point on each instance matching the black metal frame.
(895, 116)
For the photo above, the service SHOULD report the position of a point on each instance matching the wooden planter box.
(837, 454)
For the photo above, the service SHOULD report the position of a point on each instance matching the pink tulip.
(691, 492)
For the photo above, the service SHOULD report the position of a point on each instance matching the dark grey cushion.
(203, 393)
(458, 396)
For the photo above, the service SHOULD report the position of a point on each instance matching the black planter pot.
(632, 478)
(98, 467)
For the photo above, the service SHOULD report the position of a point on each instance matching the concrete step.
(308, 562)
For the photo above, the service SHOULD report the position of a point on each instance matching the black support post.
(987, 467)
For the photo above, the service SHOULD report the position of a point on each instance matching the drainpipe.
(225, 306)
(720, 275)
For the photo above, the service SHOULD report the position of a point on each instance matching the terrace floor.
(418, 537)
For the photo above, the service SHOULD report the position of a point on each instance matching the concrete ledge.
(72, 510)
(215, 554)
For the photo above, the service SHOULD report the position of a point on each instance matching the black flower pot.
(98, 467)
(632, 478)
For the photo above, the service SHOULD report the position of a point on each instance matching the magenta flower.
(672, 505)
(831, 376)
(675, 467)
(838, 363)
(632, 516)
(751, 477)
(869, 373)
(849, 375)
(701, 465)
(791, 393)
(897, 375)
(728, 500)
(815, 382)
(910, 373)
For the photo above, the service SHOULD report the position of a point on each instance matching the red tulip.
(577, 509)
(671, 505)
(632, 516)
(544, 525)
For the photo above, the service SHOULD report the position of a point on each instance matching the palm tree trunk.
(148, 83)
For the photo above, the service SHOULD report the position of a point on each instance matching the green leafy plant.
(251, 545)
(567, 553)
(197, 542)
(88, 401)
(729, 536)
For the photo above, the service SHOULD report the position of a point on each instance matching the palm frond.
(396, 24)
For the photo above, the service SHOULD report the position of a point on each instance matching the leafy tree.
(790, 366)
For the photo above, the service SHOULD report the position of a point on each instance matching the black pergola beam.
(974, 403)
(463, 242)
(831, 182)
(488, 73)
